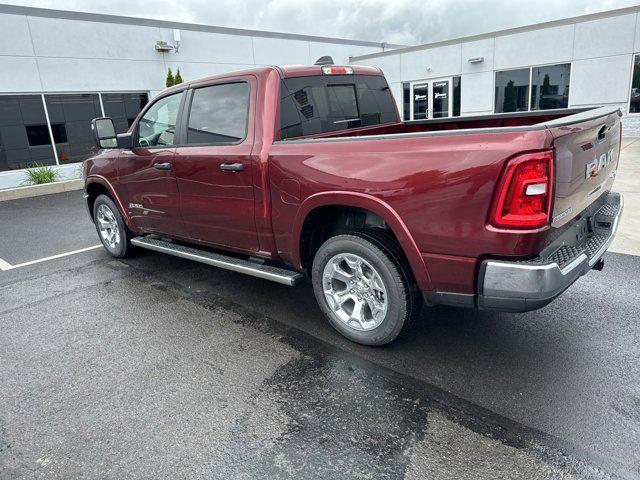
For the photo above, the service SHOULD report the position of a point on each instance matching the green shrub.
(170, 81)
(41, 174)
(178, 78)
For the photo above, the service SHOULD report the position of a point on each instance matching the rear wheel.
(364, 288)
(111, 228)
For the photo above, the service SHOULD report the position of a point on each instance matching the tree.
(178, 78)
(171, 81)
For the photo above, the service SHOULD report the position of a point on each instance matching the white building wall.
(600, 48)
(47, 53)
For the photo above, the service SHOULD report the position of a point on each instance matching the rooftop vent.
(326, 60)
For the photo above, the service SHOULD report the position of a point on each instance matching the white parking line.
(7, 266)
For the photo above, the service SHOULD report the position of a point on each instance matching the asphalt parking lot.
(156, 367)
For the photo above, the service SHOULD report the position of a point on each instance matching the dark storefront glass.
(73, 113)
(550, 87)
(123, 108)
(24, 136)
(406, 101)
(420, 101)
(634, 104)
(440, 99)
(512, 91)
(457, 84)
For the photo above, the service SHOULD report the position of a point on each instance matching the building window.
(550, 87)
(457, 84)
(74, 112)
(406, 101)
(24, 136)
(634, 102)
(123, 108)
(38, 135)
(534, 88)
(512, 91)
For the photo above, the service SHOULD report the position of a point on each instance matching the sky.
(407, 22)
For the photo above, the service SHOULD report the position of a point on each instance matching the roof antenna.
(326, 60)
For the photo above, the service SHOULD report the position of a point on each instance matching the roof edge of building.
(499, 33)
(148, 22)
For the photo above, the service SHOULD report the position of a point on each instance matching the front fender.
(375, 205)
(100, 180)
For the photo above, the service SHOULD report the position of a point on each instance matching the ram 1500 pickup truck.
(307, 171)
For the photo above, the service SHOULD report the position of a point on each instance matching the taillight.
(523, 199)
(337, 70)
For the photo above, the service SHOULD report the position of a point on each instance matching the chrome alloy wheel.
(108, 226)
(355, 291)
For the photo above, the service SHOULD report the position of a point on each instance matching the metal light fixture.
(476, 60)
(164, 47)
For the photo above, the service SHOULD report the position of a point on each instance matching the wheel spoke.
(355, 264)
(339, 298)
(358, 310)
(337, 273)
(375, 306)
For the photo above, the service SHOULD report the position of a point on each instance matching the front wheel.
(364, 289)
(111, 228)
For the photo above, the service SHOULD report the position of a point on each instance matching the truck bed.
(475, 123)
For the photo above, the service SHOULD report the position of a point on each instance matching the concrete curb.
(37, 190)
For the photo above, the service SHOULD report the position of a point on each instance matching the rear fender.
(375, 205)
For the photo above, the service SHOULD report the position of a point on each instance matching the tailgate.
(587, 149)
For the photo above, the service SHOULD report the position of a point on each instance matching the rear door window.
(320, 104)
(218, 114)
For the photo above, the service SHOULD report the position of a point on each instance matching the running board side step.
(267, 272)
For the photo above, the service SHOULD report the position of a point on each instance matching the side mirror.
(104, 133)
(125, 140)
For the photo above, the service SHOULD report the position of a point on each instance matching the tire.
(112, 231)
(373, 310)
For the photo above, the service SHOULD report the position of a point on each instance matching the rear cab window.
(329, 103)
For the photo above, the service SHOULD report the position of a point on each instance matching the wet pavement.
(156, 367)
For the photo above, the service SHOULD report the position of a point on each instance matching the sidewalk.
(628, 183)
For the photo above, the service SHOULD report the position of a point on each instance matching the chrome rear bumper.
(523, 286)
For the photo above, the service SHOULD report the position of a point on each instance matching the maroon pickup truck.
(287, 172)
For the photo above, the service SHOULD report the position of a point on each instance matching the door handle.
(232, 167)
(162, 166)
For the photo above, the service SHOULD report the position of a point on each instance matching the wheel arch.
(366, 203)
(96, 185)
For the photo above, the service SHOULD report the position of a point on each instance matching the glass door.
(420, 101)
(431, 99)
(440, 99)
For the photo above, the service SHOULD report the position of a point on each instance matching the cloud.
(395, 21)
